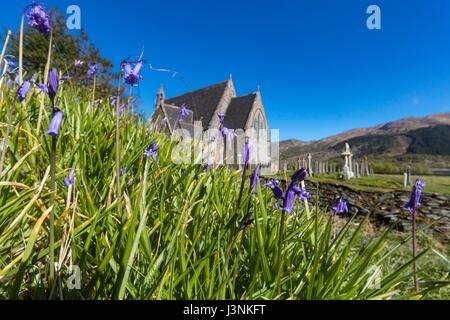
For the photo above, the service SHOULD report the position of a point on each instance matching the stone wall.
(387, 207)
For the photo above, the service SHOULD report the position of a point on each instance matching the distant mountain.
(421, 136)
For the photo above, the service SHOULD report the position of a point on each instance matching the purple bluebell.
(162, 122)
(55, 123)
(221, 117)
(70, 179)
(247, 221)
(122, 109)
(247, 151)
(113, 100)
(53, 84)
(77, 63)
(39, 19)
(184, 111)
(273, 185)
(152, 151)
(254, 178)
(92, 70)
(228, 134)
(131, 75)
(292, 190)
(23, 90)
(414, 198)
(24, 87)
(123, 171)
(341, 206)
(208, 162)
(9, 83)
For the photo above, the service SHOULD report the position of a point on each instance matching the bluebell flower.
(184, 111)
(123, 171)
(113, 100)
(55, 123)
(152, 151)
(228, 134)
(92, 70)
(247, 152)
(207, 161)
(70, 179)
(293, 190)
(248, 220)
(273, 185)
(221, 117)
(162, 122)
(53, 84)
(23, 90)
(254, 178)
(77, 63)
(39, 19)
(122, 109)
(341, 206)
(414, 198)
(131, 75)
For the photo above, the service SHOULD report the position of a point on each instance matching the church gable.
(257, 117)
(238, 111)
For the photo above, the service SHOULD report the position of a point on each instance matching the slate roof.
(203, 102)
(173, 113)
(238, 111)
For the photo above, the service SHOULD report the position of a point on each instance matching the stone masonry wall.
(387, 207)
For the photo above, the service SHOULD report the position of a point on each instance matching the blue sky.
(321, 71)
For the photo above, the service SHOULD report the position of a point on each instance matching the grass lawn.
(379, 182)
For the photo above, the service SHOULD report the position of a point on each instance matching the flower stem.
(414, 249)
(280, 244)
(52, 212)
(93, 91)
(47, 68)
(5, 44)
(119, 206)
(8, 131)
(21, 50)
(241, 189)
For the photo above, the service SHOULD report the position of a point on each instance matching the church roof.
(238, 111)
(203, 102)
(173, 112)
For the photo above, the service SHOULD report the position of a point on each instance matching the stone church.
(243, 112)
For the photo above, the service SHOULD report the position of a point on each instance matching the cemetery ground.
(387, 182)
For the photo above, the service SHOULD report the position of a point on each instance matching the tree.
(65, 50)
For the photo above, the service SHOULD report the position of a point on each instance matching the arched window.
(258, 126)
(258, 122)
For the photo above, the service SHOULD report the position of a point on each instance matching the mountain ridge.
(411, 135)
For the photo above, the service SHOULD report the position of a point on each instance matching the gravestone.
(310, 171)
(409, 176)
(366, 166)
(347, 171)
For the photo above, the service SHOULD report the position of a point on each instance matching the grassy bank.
(174, 231)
